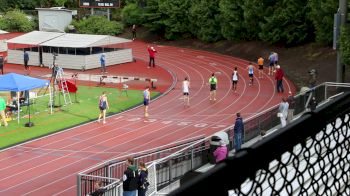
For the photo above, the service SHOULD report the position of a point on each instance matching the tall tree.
(287, 24)
(175, 17)
(321, 15)
(232, 19)
(152, 16)
(16, 21)
(204, 16)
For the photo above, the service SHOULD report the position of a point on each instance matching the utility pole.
(343, 4)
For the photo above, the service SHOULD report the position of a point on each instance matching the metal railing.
(310, 156)
(112, 170)
(174, 165)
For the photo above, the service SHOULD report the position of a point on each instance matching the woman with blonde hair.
(103, 106)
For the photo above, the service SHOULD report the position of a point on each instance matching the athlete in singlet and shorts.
(146, 99)
(251, 73)
(234, 79)
(186, 91)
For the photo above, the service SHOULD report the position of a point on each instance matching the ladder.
(62, 83)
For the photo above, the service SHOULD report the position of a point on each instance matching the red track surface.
(48, 166)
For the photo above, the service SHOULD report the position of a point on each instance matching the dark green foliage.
(321, 15)
(175, 17)
(16, 21)
(345, 44)
(132, 14)
(204, 19)
(153, 17)
(232, 19)
(287, 24)
(98, 25)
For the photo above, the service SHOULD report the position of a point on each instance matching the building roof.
(83, 41)
(34, 37)
(68, 40)
(3, 32)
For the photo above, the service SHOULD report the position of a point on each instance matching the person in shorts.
(186, 91)
(272, 63)
(261, 67)
(234, 79)
(213, 81)
(251, 73)
(146, 100)
(103, 106)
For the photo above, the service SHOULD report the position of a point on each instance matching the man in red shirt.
(152, 54)
(279, 78)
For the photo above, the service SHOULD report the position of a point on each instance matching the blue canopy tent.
(16, 82)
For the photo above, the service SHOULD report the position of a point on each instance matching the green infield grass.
(82, 111)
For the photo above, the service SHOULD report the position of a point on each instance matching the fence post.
(325, 91)
(79, 185)
(192, 157)
(170, 168)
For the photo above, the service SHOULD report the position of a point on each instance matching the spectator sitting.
(221, 152)
(99, 190)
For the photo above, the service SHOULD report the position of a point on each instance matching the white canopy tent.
(83, 41)
(75, 51)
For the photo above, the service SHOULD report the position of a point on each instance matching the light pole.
(340, 20)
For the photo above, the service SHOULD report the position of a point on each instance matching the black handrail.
(230, 174)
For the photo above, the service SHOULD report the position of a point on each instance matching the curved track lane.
(48, 166)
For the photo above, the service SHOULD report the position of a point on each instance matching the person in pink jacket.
(221, 152)
(152, 53)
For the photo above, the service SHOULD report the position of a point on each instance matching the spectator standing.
(234, 79)
(220, 152)
(130, 178)
(291, 103)
(152, 53)
(146, 100)
(238, 132)
(2, 62)
(313, 104)
(103, 63)
(26, 59)
(271, 64)
(133, 30)
(143, 180)
(213, 82)
(2, 111)
(279, 78)
(261, 67)
(283, 112)
(103, 106)
(251, 73)
(186, 91)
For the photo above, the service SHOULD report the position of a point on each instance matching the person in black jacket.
(313, 104)
(238, 132)
(143, 181)
(130, 178)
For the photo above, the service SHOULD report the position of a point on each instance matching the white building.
(3, 44)
(54, 19)
(74, 51)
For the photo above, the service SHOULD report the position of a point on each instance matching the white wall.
(3, 45)
(72, 61)
(54, 19)
(16, 57)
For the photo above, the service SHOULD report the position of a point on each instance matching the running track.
(48, 166)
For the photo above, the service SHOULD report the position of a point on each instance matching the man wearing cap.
(152, 54)
(2, 64)
(279, 78)
(103, 63)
